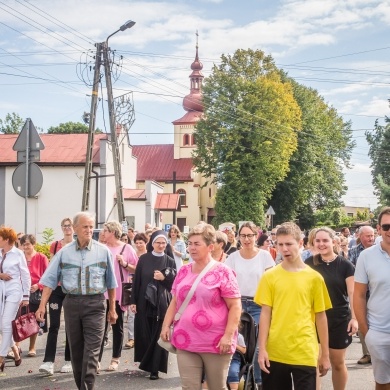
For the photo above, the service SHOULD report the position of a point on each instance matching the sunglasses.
(385, 227)
(66, 226)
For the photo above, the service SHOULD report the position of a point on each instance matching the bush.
(43, 248)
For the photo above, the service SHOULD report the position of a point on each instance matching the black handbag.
(126, 286)
(35, 297)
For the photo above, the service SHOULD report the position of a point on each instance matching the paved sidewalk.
(129, 377)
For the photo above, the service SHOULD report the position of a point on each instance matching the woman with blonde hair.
(338, 274)
(179, 249)
(15, 284)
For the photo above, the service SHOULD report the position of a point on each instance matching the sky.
(339, 47)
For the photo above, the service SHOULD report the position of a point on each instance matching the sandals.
(113, 365)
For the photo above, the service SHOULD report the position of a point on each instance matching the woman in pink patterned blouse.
(206, 334)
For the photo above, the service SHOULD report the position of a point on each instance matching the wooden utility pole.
(91, 131)
(114, 138)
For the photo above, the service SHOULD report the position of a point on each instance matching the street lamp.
(128, 24)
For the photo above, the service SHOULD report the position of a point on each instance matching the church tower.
(184, 142)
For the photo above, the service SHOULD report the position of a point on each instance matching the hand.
(5, 277)
(24, 303)
(264, 360)
(34, 288)
(225, 344)
(323, 365)
(112, 317)
(40, 313)
(120, 260)
(158, 275)
(352, 327)
(165, 332)
(133, 308)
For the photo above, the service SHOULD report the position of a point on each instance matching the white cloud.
(376, 106)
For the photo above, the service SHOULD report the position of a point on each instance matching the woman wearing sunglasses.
(249, 264)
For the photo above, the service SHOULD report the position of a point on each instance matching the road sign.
(270, 211)
(29, 133)
(35, 180)
(34, 155)
(167, 227)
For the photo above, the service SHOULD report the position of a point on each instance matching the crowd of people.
(307, 293)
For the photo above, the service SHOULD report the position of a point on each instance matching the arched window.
(193, 141)
(183, 197)
(186, 140)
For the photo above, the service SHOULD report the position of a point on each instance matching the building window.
(186, 140)
(209, 192)
(183, 197)
(181, 222)
(193, 141)
(350, 215)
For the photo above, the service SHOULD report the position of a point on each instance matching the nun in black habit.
(151, 295)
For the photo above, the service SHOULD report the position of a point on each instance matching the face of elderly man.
(84, 229)
(366, 235)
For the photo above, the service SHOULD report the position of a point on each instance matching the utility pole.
(114, 138)
(91, 131)
(102, 50)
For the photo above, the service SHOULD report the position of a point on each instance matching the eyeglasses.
(385, 227)
(66, 226)
(273, 234)
(244, 236)
(160, 243)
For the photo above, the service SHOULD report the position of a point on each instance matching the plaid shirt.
(353, 253)
(86, 271)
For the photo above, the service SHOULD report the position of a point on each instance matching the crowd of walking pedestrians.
(308, 294)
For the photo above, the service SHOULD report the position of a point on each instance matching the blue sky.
(338, 47)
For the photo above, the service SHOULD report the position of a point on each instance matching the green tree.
(315, 178)
(248, 133)
(12, 124)
(379, 151)
(48, 236)
(70, 128)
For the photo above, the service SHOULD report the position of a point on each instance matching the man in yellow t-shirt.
(293, 299)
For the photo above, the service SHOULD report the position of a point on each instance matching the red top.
(37, 266)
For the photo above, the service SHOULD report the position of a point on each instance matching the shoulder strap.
(120, 267)
(192, 290)
(55, 248)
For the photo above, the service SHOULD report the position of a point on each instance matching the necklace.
(327, 262)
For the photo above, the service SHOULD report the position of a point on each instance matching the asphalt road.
(26, 376)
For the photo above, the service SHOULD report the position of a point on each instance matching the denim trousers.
(254, 310)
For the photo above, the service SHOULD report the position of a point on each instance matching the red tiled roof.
(59, 149)
(156, 162)
(133, 194)
(167, 202)
(189, 117)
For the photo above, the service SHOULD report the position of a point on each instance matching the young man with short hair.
(294, 299)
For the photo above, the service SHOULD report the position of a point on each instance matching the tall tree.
(315, 178)
(379, 151)
(12, 124)
(248, 133)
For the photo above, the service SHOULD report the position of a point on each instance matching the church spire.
(193, 101)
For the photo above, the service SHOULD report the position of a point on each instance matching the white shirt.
(249, 271)
(15, 265)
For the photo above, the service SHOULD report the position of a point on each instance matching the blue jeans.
(234, 369)
(254, 310)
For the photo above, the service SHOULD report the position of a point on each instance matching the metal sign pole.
(27, 173)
